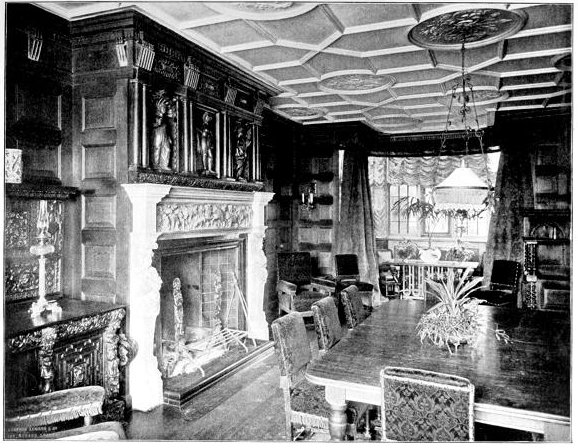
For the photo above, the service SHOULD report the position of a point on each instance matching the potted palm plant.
(452, 321)
(427, 214)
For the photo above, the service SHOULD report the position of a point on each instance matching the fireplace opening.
(202, 328)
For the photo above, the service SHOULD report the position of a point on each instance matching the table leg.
(337, 418)
(557, 433)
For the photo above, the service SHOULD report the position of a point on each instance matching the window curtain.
(355, 230)
(514, 191)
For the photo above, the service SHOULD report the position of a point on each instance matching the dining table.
(519, 364)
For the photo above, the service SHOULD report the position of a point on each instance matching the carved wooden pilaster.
(45, 359)
(111, 340)
(530, 296)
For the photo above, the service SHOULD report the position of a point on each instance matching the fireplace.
(203, 304)
(193, 303)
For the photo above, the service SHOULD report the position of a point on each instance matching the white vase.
(430, 255)
(13, 165)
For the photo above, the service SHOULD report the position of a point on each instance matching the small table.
(415, 272)
(523, 385)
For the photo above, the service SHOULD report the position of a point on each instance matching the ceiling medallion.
(262, 10)
(474, 26)
(302, 112)
(482, 95)
(355, 83)
(395, 122)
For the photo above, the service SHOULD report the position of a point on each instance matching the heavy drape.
(514, 191)
(354, 233)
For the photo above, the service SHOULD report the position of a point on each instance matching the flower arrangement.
(453, 320)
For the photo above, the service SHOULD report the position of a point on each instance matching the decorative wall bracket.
(121, 52)
(145, 54)
(34, 44)
(191, 74)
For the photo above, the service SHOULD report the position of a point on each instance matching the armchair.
(347, 270)
(296, 288)
(504, 284)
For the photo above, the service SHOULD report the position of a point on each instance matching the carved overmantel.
(162, 212)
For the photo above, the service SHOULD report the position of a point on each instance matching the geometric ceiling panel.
(262, 11)
(226, 34)
(480, 95)
(270, 55)
(473, 26)
(372, 41)
(311, 28)
(406, 61)
(352, 15)
(325, 63)
(309, 51)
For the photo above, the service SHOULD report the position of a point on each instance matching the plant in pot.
(452, 321)
(427, 214)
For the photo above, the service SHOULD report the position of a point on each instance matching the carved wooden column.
(257, 268)
(114, 409)
(144, 379)
(45, 359)
(530, 296)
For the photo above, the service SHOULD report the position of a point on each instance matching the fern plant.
(452, 321)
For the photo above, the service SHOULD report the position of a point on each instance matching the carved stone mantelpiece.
(167, 213)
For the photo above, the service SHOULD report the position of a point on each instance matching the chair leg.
(367, 433)
(87, 420)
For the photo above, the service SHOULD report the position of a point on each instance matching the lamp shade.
(462, 189)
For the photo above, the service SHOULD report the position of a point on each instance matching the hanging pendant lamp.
(463, 191)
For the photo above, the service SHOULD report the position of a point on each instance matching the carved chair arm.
(286, 287)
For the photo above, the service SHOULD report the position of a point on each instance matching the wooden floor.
(245, 406)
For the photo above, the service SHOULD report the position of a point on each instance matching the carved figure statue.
(206, 144)
(163, 132)
(243, 142)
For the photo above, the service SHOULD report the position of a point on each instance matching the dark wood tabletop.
(19, 321)
(531, 373)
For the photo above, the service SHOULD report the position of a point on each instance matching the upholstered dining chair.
(347, 273)
(504, 284)
(419, 405)
(40, 411)
(305, 404)
(327, 325)
(295, 287)
(353, 307)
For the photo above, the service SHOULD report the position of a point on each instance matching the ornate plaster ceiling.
(390, 65)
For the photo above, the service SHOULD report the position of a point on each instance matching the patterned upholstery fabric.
(352, 306)
(55, 407)
(303, 300)
(327, 323)
(305, 403)
(294, 267)
(291, 344)
(346, 265)
(419, 405)
(100, 431)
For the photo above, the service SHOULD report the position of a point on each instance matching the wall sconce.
(308, 197)
(145, 54)
(34, 44)
(121, 52)
(192, 74)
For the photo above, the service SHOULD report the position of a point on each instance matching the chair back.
(327, 324)
(505, 276)
(346, 267)
(294, 267)
(419, 405)
(291, 346)
(352, 306)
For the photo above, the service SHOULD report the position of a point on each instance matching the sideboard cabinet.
(81, 345)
